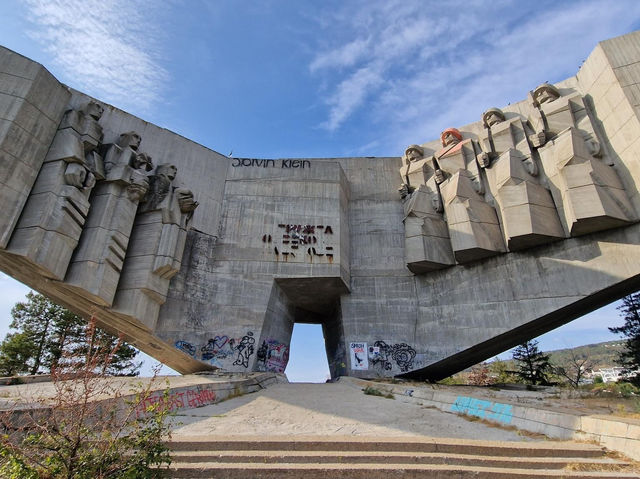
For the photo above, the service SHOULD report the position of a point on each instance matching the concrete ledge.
(618, 434)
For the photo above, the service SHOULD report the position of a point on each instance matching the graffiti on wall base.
(382, 354)
(191, 398)
(221, 347)
(272, 356)
(493, 411)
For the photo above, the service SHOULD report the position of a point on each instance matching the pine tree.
(533, 365)
(630, 357)
(46, 332)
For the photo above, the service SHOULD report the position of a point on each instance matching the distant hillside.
(602, 355)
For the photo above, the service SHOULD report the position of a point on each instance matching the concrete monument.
(501, 230)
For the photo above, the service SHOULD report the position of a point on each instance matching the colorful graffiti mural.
(272, 356)
(494, 411)
(220, 348)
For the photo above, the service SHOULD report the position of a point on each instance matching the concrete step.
(372, 457)
(414, 457)
(373, 471)
(362, 444)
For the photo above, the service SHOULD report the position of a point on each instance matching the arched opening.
(307, 355)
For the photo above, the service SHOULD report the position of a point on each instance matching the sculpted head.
(545, 93)
(413, 153)
(94, 110)
(492, 116)
(129, 139)
(142, 161)
(450, 136)
(167, 170)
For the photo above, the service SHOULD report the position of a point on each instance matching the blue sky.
(313, 79)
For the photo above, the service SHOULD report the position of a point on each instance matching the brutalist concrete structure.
(418, 266)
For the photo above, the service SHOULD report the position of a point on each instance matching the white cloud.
(438, 66)
(351, 94)
(103, 47)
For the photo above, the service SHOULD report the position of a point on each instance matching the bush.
(78, 434)
(376, 392)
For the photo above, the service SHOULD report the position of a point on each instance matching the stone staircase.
(416, 457)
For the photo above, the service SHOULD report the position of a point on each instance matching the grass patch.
(370, 391)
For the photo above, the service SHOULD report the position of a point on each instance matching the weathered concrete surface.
(536, 412)
(331, 409)
(330, 240)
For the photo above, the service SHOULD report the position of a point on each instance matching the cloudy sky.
(313, 79)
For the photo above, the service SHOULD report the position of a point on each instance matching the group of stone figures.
(523, 182)
(100, 221)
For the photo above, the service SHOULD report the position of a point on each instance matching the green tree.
(629, 358)
(533, 365)
(46, 332)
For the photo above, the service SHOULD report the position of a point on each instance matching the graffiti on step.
(493, 411)
(191, 398)
(301, 242)
(272, 356)
(382, 355)
(220, 348)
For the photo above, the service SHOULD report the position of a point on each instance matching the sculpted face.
(450, 136)
(493, 119)
(413, 155)
(169, 171)
(545, 93)
(449, 139)
(142, 161)
(94, 110)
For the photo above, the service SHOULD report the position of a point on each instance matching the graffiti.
(483, 409)
(245, 349)
(186, 347)
(157, 401)
(220, 348)
(259, 163)
(191, 398)
(200, 397)
(359, 360)
(217, 348)
(272, 356)
(382, 354)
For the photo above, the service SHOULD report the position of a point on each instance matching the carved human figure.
(427, 243)
(525, 207)
(56, 211)
(473, 223)
(97, 263)
(585, 186)
(155, 250)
